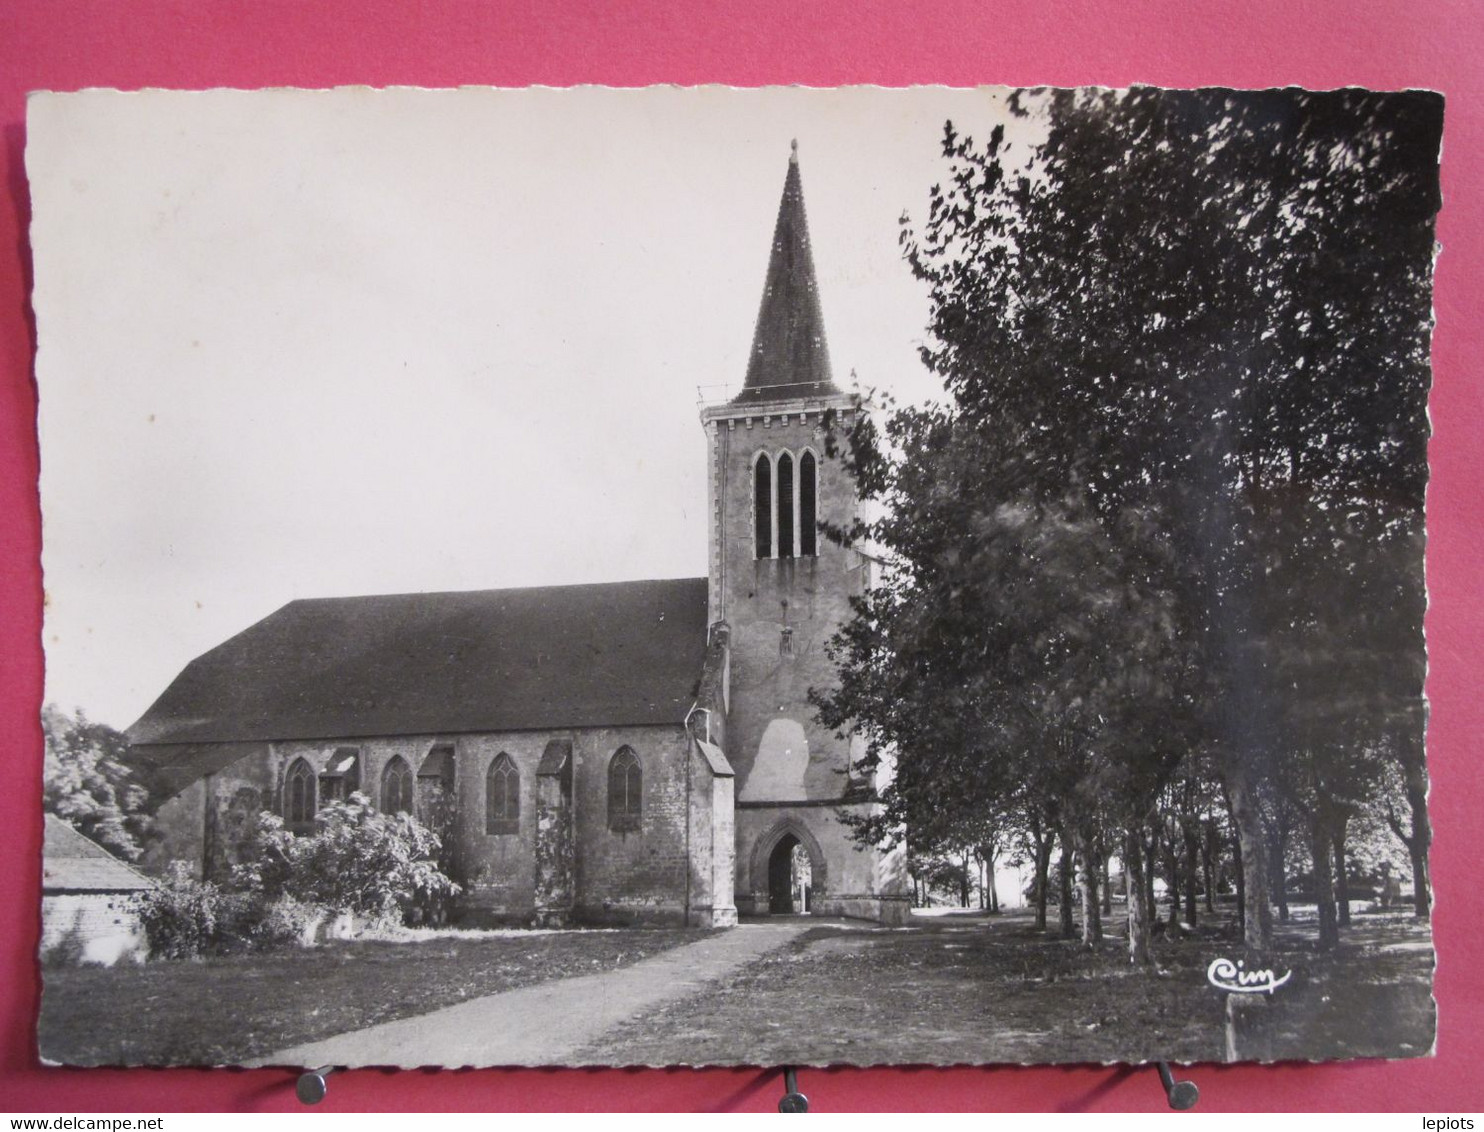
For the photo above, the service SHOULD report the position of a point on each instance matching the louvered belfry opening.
(785, 506)
(808, 520)
(762, 502)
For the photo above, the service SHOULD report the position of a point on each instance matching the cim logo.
(1225, 975)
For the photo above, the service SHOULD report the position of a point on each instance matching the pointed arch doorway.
(788, 871)
(790, 878)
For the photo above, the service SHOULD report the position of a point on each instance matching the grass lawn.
(984, 989)
(223, 1011)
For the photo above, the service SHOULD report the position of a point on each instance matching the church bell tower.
(781, 590)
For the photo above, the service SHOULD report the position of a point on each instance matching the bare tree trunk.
(1416, 843)
(1342, 880)
(1146, 889)
(1421, 880)
(1279, 864)
(1208, 865)
(1324, 883)
(1241, 882)
(1192, 871)
(1043, 879)
(1068, 925)
(1257, 920)
(1103, 855)
(1414, 775)
(1139, 951)
(1092, 920)
(1172, 863)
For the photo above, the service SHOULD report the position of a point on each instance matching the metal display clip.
(1182, 1095)
(792, 1100)
(311, 1087)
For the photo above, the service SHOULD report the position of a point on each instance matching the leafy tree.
(1062, 681)
(87, 783)
(1177, 315)
(357, 860)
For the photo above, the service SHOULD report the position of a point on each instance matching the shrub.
(180, 915)
(372, 865)
(284, 922)
(186, 918)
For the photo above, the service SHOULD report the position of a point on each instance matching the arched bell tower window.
(762, 505)
(625, 791)
(785, 506)
(502, 796)
(396, 787)
(808, 507)
(298, 794)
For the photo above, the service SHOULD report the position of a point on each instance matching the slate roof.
(72, 862)
(617, 654)
(789, 357)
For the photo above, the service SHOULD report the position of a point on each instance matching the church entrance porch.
(790, 878)
(786, 872)
(797, 858)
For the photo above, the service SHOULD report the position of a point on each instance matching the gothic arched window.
(502, 796)
(808, 508)
(298, 794)
(762, 505)
(625, 791)
(396, 787)
(785, 506)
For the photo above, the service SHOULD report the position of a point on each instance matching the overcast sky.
(299, 344)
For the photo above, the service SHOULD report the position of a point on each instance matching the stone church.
(635, 752)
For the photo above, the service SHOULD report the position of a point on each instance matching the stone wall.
(650, 874)
(90, 927)
(639, 876)
(209, 824)
(180, 823)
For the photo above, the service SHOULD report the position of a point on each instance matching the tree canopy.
(1174, 499)
(87, 782)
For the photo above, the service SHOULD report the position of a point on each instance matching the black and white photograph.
(704, 576)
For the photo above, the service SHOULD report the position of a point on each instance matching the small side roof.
(717, 761)
(72, 862)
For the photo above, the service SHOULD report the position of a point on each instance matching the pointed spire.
(789, 358)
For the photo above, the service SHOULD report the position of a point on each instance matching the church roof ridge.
(489, 590)
(789, 355)
(533, 657)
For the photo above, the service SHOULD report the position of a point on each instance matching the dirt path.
(544, 1024)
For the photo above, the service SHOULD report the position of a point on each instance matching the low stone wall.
(90, 927)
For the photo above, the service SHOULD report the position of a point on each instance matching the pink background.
(69, 44)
